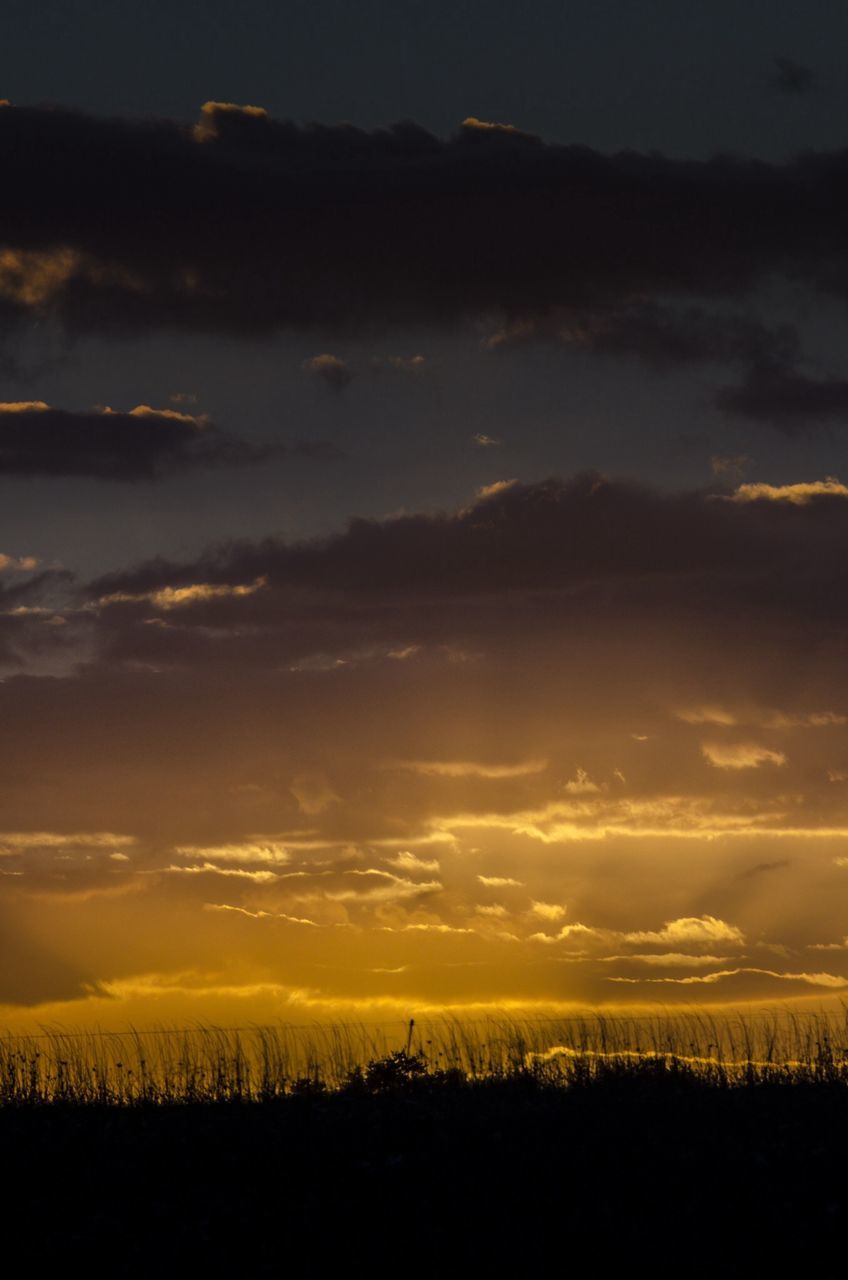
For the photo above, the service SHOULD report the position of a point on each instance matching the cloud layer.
(246, 225)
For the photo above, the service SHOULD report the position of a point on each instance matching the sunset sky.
(423, 508)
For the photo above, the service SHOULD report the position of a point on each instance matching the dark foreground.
(507, 1178)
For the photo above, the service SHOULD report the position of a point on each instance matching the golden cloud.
(35, 278)
(167, 598)
(740, 755)
(208, 128)
(489, 126)
(468, 768)
(798, 495)
(251, 850)
(547, 910)
(408, 861)
(697, 929)
(17, 564)
(831, 980)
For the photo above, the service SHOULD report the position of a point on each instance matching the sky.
(423, 494)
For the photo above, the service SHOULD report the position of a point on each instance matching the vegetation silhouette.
(261, 1064)
(498, 1149)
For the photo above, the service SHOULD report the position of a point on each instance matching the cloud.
(488, 126)
(664, 337)
(427, 928)
(740, 755)
(581, 784)
(17, 564)
(330, 369)
(555, 534)
(259, 915)
(799, 494)
(212, 868)
(495, 489)
(468, 768)
(407, 861)
(567, 932)
(691, 929)
(257, 849)
(706, 715)
(785, 399)
(667, 959)
(168, 598)
(389, 888)
(221, 119)
(764, 719)
(401, 655)
(263, 225)
(24, 841)
(500, 882)
(790, 77)
(143, 444)
(652, 817)
(548, 910)
(832, 980)
(484, 441)
(805, 720)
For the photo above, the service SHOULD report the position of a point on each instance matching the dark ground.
(494, 1179)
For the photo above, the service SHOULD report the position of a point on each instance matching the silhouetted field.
(503, 1150)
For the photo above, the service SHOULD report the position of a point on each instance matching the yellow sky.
(302, 855)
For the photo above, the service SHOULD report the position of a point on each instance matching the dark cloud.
(533, 536)
(144, 444)
(790, 77)
(662, 336)
(533, 560)
(549, 534)
(785, 399)
(665, 337)
(246, 225)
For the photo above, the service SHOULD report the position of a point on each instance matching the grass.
(688, 1144)
(261, 1063)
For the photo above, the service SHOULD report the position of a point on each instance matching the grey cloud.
(787, 400)
(144, 444)
(790, 77)
(330, 369)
